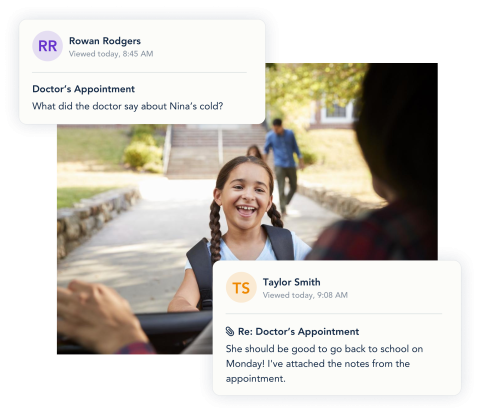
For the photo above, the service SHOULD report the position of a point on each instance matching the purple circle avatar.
(47, 46)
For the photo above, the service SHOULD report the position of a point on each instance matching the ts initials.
(244, 285)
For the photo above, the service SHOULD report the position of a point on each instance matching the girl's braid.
(275, 216)
(215, 232)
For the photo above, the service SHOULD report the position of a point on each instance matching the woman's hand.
(97, 317)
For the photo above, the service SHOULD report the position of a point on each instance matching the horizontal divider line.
(327, 313)
(142, 72)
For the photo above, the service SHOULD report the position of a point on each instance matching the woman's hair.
(257, 154)
(397, 129)
(222, 178)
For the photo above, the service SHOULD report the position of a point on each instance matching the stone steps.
(194, 151)
(198, 162)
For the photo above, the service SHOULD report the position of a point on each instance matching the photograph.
(344, 167)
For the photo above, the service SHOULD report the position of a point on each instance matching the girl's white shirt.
(300, 249)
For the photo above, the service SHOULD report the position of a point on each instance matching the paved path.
(142, 252)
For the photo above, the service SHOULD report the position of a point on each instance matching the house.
(338, 117)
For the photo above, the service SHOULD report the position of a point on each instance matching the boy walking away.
(283, 143)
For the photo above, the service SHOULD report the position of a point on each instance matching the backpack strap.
(201, 262)
(282, 242)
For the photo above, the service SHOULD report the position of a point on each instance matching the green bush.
(153, 168)
(309, 152)
(145, 138)
(159, 140)
(309, 157)
(137, 154)
(143, 129)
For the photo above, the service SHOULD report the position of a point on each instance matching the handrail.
(166, 149)
(220, 147)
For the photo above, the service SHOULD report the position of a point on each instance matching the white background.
(389, 302)
(177, 46)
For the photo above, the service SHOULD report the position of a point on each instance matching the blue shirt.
(283, 147)
(300, 251)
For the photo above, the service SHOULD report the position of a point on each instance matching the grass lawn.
(89, 161)
(67, 196)
(90, 146)
(340, 164)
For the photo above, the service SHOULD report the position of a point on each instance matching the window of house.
(337, 114)
(336, 111)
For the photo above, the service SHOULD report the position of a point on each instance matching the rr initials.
(42, 44)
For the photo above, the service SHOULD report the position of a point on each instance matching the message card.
(142, 71)
(337, 328)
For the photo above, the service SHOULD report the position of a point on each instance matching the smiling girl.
(244, 189)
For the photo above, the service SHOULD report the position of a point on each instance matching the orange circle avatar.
(241, 287)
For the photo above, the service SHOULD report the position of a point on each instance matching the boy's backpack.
(199, 258)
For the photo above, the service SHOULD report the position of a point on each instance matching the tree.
(291, 87)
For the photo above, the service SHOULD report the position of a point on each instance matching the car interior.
(169, 333)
